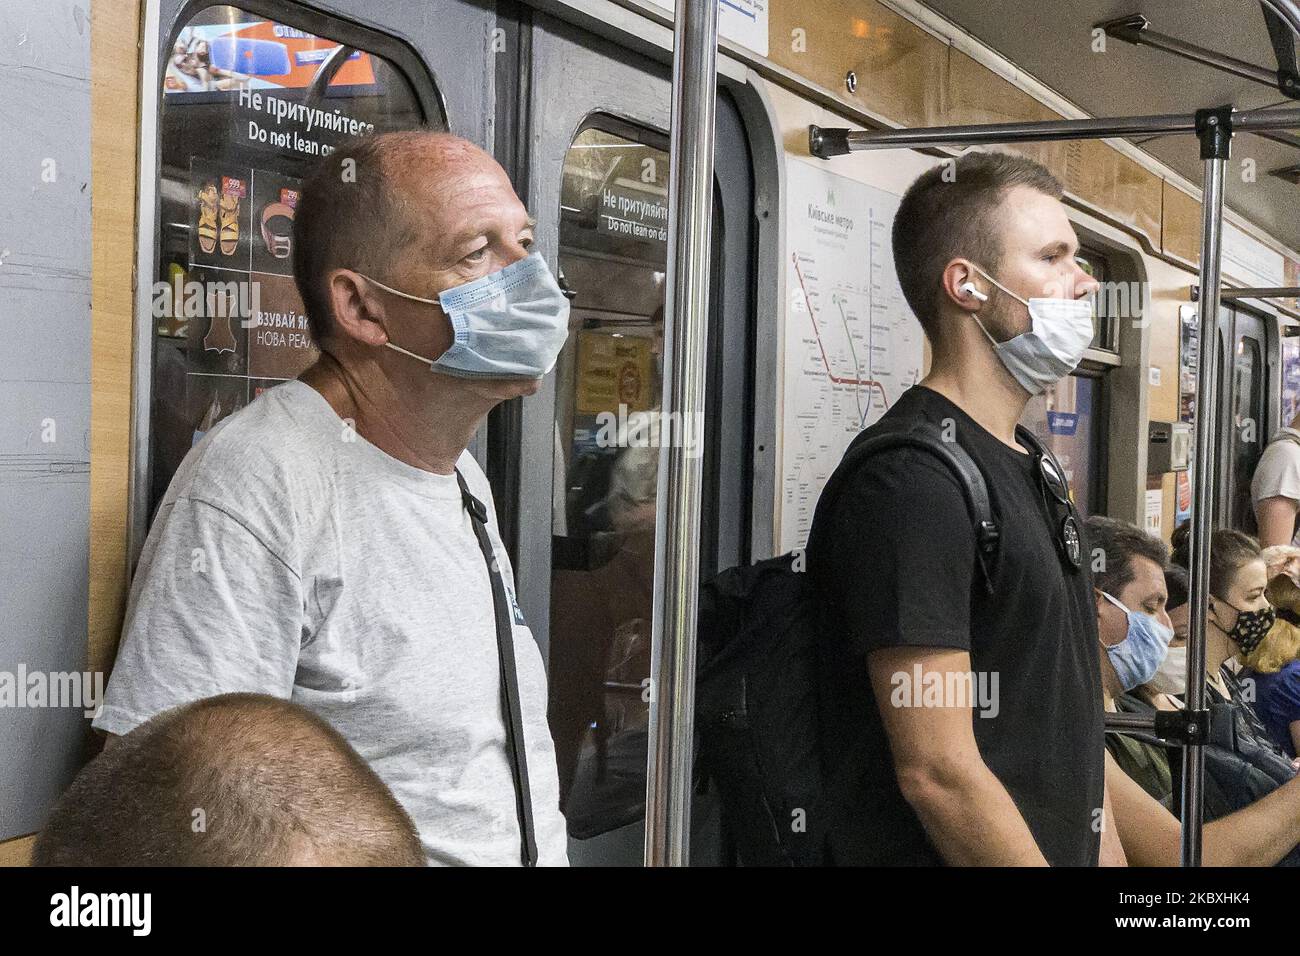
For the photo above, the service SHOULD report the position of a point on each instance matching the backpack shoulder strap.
(516, 750)
(926, 437)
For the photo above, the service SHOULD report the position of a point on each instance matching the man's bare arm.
(1276, 519)
(1258, 835)
(965, 809)
(1112, 849)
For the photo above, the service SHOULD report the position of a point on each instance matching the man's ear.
(962, 286)
(359, 311)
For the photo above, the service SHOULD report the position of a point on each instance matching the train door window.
(1065, 418)
(609, 390)
(1108, 301)
(1290, 351)
(250, 101)
(1247, 416)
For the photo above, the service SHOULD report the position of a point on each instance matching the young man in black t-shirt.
(972, 707)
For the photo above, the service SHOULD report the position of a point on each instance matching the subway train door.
(1245, 423)
(585, 506)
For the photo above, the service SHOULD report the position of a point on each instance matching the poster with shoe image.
(220, 215)
(274, 203)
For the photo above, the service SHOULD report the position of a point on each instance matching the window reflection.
(1064, 419)
(609, 389)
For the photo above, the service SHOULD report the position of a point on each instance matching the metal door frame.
(632, 89)
(1229, 332)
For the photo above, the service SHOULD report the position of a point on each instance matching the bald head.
(381, 201)
(235, 780)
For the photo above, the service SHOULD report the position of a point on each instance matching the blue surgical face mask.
(509, 324)
(1137, 658)
(1060, 332)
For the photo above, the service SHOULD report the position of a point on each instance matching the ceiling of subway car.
(1052, 40)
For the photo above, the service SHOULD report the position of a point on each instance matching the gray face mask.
(1059, 334)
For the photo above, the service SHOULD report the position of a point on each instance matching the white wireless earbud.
(969, 287)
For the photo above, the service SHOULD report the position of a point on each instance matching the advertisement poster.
(274, 204)
(1154, 511)
(256, 54)
(220, 215)
(614, 370)
(244, 323)
(1189, 346)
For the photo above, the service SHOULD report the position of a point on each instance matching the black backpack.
(758, 671)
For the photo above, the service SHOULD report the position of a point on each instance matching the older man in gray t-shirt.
(317, 545)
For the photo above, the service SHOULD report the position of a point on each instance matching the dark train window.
(250, 102)
(1112, 301)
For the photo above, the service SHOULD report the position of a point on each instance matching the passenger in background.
(1239, 615)
(1171, 677)
(234, 780)
(1134, 630)
(1272, 666)
(1275, 488)
(1258, 828)
(984, 251)
(1282, 559)
(330, 542)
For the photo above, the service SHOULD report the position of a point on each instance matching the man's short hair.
(1120, 542)
(950, 212)
(350, 216)
(234, 780)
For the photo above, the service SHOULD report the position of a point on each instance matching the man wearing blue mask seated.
(334, 544)
(1133, 633)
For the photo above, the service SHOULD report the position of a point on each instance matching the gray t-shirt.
(292, 557)
(1278, 473)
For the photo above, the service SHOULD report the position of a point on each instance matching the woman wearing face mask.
(1273, 667)
(1239, 613)
(1239, 616)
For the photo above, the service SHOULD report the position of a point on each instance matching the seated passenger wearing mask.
(1239, 613)
(1171, 677)
(1143, 783)
(318, 545)
(1133, 632)
(1273, 668)
(234, 780)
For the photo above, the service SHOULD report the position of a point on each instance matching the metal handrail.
(676, 589)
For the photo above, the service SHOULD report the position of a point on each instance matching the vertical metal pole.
(1215, 130)
(690, 196)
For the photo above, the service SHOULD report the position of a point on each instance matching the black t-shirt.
(895, 562)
